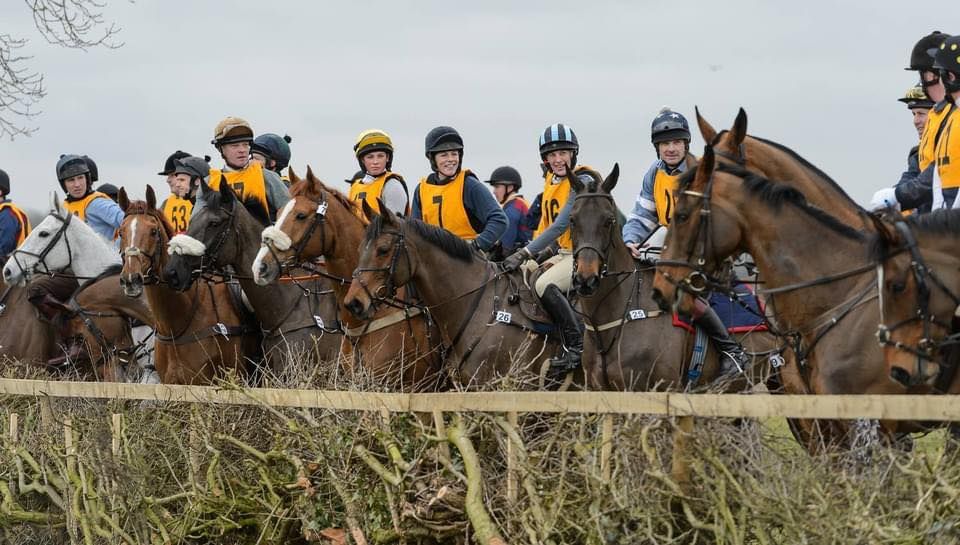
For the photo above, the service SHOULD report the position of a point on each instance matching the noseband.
(42, 256)
(387, 292)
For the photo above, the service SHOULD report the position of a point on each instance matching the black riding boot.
(570, 329)
(733, 359)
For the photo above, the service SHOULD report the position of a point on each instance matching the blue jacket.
(104, 216)
(518, 232)
(9, 230)
(643, 219)
(486, 216)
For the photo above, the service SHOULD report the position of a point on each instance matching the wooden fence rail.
(905, 407)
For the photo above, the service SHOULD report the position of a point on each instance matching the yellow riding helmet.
(373, 140)
(232, 129)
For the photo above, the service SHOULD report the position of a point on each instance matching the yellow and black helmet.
(373, 140)
(915, 97)
(232, 129)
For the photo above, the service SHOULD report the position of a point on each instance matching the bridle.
(42, 256)
(602, 254)
(387, 292)
(923, 276)
(151, 276)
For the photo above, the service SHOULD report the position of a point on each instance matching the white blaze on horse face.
(260, 281)
(186, 245)
(133, 233)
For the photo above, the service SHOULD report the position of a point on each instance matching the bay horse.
(397, 346)
(919, 280)
(634, 344)
(821, 294)
(486, 335)
(298, 321)
(23, 335)
(200, 334)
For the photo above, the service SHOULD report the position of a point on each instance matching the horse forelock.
(142, 208)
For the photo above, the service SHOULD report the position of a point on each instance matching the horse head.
(594, 229)
(919, 280)
(704, 230)
(143, 240)
(50, 247)
(384, 264)
(207, 242)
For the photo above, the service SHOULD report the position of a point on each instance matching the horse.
(919, 282)
(23, 335)
(822, 301)
(398, 346)
(486, 335)
(298, 320)
(200, 335)
(635, 346)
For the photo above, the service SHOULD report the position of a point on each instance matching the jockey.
(558, 151)
(185, 181)
(175, 206)
(506, 183)
(94, 208)
(233, 137)
(453, 198)
(909, 193)
(374, 180)
(670, 134)
(14, 223)
(273, 153)
(946, 144)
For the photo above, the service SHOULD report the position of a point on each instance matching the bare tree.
(76, 24)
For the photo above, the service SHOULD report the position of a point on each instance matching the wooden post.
(116, 429)
(441, 428)
(680, 465)
(69, 447)
(511, 461)
(14, 428)
(606, 446)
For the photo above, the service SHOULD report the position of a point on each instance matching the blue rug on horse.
(741, 316)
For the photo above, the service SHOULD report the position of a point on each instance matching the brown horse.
(200, 334)
(919, 286)
(486, 336)
(397, 346)
(631, 343)
(23, 335)
(822, 294)
(299, 321)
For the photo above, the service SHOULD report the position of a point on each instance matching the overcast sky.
(820, 77)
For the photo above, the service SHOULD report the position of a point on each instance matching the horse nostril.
(660, 300)
(900, 375)
(263, 268)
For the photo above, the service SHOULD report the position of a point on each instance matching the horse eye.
(611, 221)
(383, 250)
(214, 223)
(154, 231)
(44, 234)
(301, 216)
(681, 217)
(898, 287)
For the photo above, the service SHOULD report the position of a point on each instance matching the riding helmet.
(442, 138)
(170, 163)
(921, 57)
(505, 175)
(557, 137)
(275, 147)
(94, 173)
(195, 167)
(947, 60)
(915, 97)
(232, 129)
(669, 125)
(373, 140)
(4, 183)
(109, 190)
(72, 165)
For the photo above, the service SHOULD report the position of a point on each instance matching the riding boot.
(733, 359)
(570, 328)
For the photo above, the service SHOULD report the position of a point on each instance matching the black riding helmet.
(275, 147)
(94, 173)
(947, 61)
(921, 57)
(442, 138)
(195, 167)
(71, 165)
(506, 175)
(4, 183)
(109, 190)
(171, 161)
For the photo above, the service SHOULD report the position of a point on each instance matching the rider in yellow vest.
(453, 198)
(14, 224)
(273, 152)
(94, 208)
(558, 151)
(670, 134)
(921, 60)
(909, 194)
(253, 184)
(374, 152)
(177, 208)
(947, 146)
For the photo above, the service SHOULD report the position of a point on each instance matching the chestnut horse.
(398, 346)
(299, 321)
(821, 294)
(485, 334)
(200, 334)
(629, 350)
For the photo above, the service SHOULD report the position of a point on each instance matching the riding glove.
(516, 259)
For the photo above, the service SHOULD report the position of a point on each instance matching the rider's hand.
(885, 198)
(635, 249)
(516, 259)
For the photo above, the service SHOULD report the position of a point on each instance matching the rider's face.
(180, 185)
(76, 186)
(500, 192)
(935, 91)
(919, 119)
(259, 158)
(375, 162)
(559, 161)
(236, 154)
(448, 162)
(672, 151)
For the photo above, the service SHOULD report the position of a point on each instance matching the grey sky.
(820, 77)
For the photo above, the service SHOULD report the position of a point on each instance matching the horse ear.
(122, 200)
(55, 204)
(151, 198)
(706, 129)
(611, 181)
(739, 130)
(576, 184)
(226, 191)
(389, 217)
(292, 176)
(368, 210)
(889, 236)
(705, 167)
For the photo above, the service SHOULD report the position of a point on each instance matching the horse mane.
(775, 194)
(593, 186)
(141, 207)
(214, 199)
(112, 270)
(450, 244)
(938, 222)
